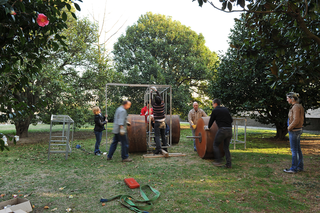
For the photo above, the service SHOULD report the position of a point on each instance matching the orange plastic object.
(132, 183)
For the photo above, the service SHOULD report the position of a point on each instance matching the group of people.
(120, 126)
(223, 119)
(219, 114)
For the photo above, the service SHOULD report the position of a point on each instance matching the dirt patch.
(43, 137)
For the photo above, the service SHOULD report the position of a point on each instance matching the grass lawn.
(256, 182)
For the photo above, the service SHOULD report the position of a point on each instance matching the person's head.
(96, 110)
(216, 102)
(147, 103)
(157, 100)
(195, 106)
(292, 97)
(126, 104)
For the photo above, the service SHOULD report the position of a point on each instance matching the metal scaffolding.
(163, 90)
(64, 140)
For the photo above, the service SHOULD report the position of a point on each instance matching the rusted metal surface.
(205, 143)
(175, 128)
(136, 133)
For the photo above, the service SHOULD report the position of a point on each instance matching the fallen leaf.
(46, 207)
(103, 204)
(70, 196)
(68, 209)
(54, 209)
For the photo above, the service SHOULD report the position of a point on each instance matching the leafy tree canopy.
(285, 26)
(158, 50)
(23, 44)
(243, 84)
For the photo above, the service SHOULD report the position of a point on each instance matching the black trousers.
(224, 136)
(159, 132)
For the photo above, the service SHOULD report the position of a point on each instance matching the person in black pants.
(222, 117)
(159, 121)
(99, 122)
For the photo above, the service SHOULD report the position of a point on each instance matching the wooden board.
(162, 156)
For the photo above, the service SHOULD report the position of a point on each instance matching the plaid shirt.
(194, 116)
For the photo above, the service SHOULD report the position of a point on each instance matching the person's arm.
(143, 111)
(159, 95)
(212, 119)
(190, 118)
(296, 115)
(98, 121)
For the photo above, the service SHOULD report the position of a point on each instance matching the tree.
(71, 78)
(273, 22)
(247, 88)
(23, 42)
(158, 50)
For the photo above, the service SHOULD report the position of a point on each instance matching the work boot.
(126, 160)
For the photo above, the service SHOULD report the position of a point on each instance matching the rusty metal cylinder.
(204, 143)
(175, 127)
(137, 136)
(137, 133)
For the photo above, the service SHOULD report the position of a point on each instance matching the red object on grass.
(132, 183)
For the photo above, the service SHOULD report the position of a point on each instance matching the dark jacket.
(222, 117)
(99, 121)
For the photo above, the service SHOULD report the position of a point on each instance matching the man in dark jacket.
(222, 117)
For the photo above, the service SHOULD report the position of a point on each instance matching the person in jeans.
(193, 117)
(222, 117)
(295, 124)
(159, 121)
(99, 122)
(119, 130)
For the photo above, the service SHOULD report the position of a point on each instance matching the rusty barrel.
(205, 143)
(137, 133)
(175, 127)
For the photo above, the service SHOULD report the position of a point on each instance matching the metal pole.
(170, 115)
(107, 122)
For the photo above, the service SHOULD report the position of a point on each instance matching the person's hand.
(194, 126)
(206, 128)
(128, 123)
(153, 88)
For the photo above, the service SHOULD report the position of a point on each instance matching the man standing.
(224, 122)
(120, 130)
(193, 118)
(159, 121)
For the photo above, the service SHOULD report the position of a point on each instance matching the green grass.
(256, 182)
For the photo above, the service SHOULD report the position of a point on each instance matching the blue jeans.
(224, 136)
(124, 146)
(297, 158)
(194, 140)
(98, 140)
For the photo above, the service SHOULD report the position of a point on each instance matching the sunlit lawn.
(256, 182)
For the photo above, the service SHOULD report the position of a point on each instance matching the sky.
(215, 25)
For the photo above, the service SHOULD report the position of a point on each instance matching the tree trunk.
(22, 127)
(281, 132)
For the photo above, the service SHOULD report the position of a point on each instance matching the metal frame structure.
(64, 139)
(163, 90)
(235, 139)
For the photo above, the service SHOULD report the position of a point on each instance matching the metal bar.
(107, 114)
(170, 115)
(135, 85)
(193, 137)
